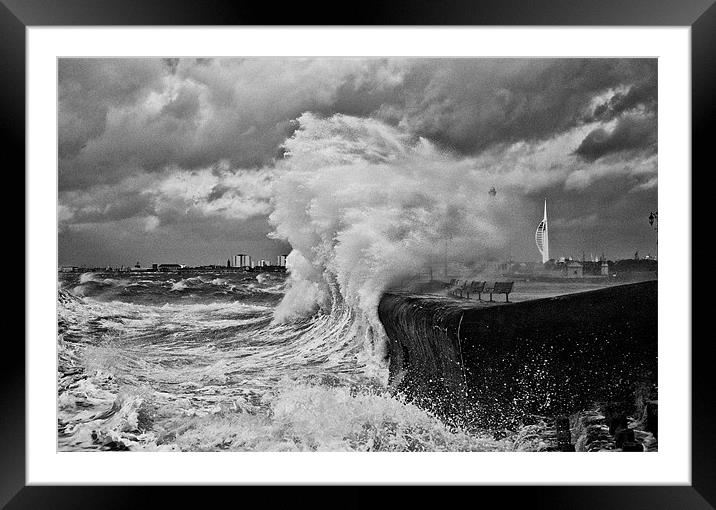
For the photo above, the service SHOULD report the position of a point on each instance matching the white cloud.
(151, 223)
(638, 168)
(174, 193)
(650, 184)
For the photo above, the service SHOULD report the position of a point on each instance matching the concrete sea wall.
(497, 364)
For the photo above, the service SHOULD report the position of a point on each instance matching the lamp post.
(445, 260)
(654, 222)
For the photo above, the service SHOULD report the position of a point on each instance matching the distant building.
(542, 236)
(573, 269)
(281, 260)
(68, 269)
(263, 263)
(137, 269)
(605, 268)
(242, 260)
(169, 267)
(624, 266)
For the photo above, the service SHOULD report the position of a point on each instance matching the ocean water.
(198, 362)
(212, 361)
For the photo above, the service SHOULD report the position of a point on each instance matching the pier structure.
(494, 364)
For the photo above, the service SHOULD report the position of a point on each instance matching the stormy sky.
(172, 160)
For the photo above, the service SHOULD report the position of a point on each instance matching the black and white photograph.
(399, 254)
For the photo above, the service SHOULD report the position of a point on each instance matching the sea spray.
(365, 205)
(158, 370)
(223, 360)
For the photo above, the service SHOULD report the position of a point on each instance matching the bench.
(460, 288)
(501, 288)
(476, 288)
(455, 285)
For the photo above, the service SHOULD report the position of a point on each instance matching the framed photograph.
(417, 247)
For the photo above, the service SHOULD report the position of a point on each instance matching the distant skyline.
(172, 160)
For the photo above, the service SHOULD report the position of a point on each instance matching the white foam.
(364, 205)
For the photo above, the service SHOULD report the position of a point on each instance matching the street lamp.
(654, 222)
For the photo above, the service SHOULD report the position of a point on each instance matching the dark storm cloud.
(122, 206)
(185, 106)
(472, 105)
(119, 117)
(88, 88)
(643, 95)
(217, 192)
(171, 64)
(631, 133)
(148, 146)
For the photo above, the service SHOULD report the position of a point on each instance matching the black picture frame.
(700, 15)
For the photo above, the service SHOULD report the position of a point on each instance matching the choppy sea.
(195, 361)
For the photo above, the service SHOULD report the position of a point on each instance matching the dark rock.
(632, 447)
(615, 415)
(623, 436)
(564, 436)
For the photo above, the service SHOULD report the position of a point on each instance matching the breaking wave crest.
(239, 361)
(365, 206)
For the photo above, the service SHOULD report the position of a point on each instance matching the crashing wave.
(365, 205)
